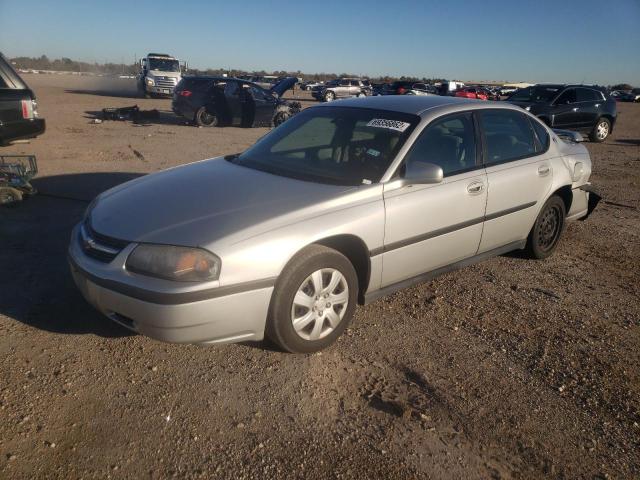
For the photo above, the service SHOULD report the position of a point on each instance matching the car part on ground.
(19, 117)
(16, 172)
(585, 108)
(344, 189)
(132, 113)
(223, 101)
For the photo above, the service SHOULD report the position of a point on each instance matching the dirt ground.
(508, 369)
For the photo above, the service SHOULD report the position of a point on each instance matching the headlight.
(150, 81)
(181, 264)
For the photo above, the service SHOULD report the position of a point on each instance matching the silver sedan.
(340, 205)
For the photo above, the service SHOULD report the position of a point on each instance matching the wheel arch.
(356, 251)
(566, 194)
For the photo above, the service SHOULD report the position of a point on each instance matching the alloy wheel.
(602, 130)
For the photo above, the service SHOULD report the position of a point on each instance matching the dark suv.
(575, 107)
(18, 113)
(224, 101)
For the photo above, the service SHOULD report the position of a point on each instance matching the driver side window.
(448, 142)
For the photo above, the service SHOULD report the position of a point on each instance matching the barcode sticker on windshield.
(389, 124)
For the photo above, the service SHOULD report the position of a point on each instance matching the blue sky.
(516, 40)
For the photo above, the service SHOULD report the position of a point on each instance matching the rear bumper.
(218, 315)
(21, 129)
(584, 202)
(182, 108)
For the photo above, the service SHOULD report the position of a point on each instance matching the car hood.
(204, 202)
(283, 85)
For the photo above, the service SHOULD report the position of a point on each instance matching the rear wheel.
(601, 130)
(545, 234)
(313, 301)
(203, 118)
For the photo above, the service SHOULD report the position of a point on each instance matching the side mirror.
(418, 173)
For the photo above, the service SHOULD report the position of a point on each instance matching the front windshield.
(336, 145)
(539, 94)
(164, 65)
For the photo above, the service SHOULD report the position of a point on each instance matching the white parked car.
(340, 205)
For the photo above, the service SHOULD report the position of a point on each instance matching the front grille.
(98, 246)
(166, 82)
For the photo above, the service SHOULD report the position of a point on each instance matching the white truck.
(159, 74)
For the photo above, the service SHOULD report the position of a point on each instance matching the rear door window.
(587, 95)
(541, 135)
(507, 136)
(448, 142)
(568, 96)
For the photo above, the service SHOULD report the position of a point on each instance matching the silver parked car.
(339, 205)
(342, 88)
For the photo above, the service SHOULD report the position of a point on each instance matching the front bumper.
(217, 315)
(156, 90)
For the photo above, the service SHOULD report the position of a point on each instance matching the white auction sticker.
(390, 124)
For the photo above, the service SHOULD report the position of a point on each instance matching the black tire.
(203, 118)
(547, 229)
(329, 96)
(9, 196)
(280, 117)
(601, 130)
(299, 270)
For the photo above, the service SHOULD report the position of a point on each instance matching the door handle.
(475, 188)
(543, 170)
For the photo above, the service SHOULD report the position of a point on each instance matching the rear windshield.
(335, 145)
(196, 82)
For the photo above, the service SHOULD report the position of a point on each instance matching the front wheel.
(313, 301)
(601, 131)
(280, 117)
(329, 96)
(545, 234)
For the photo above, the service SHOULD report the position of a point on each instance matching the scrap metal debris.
(130, 113)
(137, 153)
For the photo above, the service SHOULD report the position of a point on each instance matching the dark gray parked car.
(585, 108)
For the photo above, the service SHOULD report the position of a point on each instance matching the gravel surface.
(512, 368)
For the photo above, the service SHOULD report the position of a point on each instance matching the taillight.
(401, 90)
(27, 109)
(185, 93)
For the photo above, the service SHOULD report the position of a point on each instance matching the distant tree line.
(68, 65)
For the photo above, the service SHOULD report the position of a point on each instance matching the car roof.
(416, 104)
